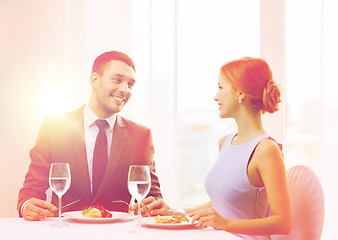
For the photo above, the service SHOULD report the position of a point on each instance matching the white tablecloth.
(19, 229)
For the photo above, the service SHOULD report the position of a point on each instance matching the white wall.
(31, 52)
(48, 45)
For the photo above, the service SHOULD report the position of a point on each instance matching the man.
(72, 137)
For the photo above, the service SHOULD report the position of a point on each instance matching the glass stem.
(59, 198)
(139, 213)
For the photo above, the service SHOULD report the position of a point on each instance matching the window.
(303, 62)
(208, 35)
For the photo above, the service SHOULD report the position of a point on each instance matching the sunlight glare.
(53, 101)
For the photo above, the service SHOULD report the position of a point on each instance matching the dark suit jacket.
(61, 139)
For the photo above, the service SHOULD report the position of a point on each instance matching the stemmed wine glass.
(139, 186)
(59, 182)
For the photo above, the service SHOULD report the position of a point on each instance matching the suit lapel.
(117, 147)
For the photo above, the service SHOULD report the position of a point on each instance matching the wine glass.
(139, 186)
(59, 182)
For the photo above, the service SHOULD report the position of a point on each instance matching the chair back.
(307, 204)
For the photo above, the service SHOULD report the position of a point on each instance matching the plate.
(150, 222)
(78, 217)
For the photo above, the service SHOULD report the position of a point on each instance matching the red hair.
(253, 77)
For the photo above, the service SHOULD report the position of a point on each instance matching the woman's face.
(226, 97)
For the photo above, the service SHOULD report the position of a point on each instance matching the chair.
(307, 204)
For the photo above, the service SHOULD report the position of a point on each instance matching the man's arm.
(36, 181)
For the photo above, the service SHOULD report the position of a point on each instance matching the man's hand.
(36, 209)
(151, 207)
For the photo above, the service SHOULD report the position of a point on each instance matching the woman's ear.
(241, 96)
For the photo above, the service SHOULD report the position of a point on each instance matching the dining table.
(20, 229)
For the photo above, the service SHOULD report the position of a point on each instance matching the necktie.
(100, 157)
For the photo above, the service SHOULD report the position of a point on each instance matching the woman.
(248, 177)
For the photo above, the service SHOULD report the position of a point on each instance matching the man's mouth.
(119, 98)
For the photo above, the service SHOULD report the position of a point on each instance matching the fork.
(69, 204)
(121, 201)
(177, 211)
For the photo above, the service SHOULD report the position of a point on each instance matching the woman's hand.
(209, 217)
(151, 207)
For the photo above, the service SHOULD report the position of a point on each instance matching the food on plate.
(97, 211)
(171, 219)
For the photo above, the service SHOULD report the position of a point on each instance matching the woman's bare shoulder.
(221, 142)
(266, 151)
(268, 145)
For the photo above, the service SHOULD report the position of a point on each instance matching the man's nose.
(123, 87)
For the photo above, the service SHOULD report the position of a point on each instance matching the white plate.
(150, 222)
(78, 217)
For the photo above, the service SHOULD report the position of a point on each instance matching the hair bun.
(271, 97)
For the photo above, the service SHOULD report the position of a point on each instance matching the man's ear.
(93, 79)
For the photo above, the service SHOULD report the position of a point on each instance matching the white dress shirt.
(91, 131)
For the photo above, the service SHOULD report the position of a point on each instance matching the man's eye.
(130, 84)
(117, 80)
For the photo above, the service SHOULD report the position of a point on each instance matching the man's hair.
(101, 61)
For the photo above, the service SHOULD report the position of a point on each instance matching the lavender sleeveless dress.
(227, 184)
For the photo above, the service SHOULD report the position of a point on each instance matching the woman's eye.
(116, 80)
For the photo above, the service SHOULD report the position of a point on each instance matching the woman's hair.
(253, 77)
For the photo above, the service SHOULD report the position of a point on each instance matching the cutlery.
(69, 204)
(120, 201)
(177, 211)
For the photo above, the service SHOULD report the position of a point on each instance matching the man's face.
(112, 90)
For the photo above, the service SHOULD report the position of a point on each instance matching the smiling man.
(98, 144)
